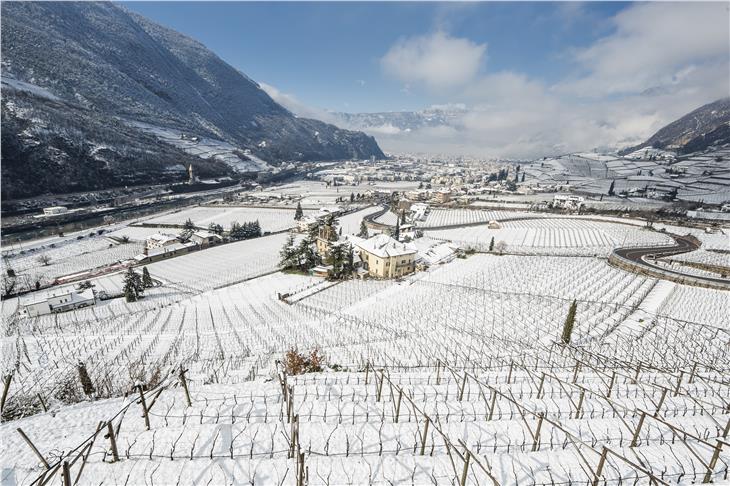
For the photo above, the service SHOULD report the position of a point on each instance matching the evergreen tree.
(299, 213)
(305, 254)
(349, 265)
(288, 254)
(131, 292)
(610, 188)
(256, 229)
(189, 225)
(236, 232)
(491, 244)
(569, 322)
(146, 279)
(363, 230)
(523, 177)
(396, 231)
(352, 197)
(403, 216)
(215, 228)
(420, 185)
(337, 259)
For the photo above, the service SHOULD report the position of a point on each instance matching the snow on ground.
(271, 219)
(553, 237)
(217, 313)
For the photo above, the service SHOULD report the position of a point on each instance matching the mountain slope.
(707, 125)
(100, 66)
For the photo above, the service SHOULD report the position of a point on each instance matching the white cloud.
(653, 45)
(660, 61)
(437, 60)
(291, 103)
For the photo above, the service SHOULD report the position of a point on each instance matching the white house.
(59, 302)
(160, 240)
(54, 210)
(567, 201)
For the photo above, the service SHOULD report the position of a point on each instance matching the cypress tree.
(146, 279)
(569, 322)
(299, 213)
(85, 379)
(610, 188)
(491, 244)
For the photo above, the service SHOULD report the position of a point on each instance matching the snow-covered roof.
(206, 234)
(161, 237)
(385, 246)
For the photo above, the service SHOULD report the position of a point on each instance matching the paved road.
(682, 245)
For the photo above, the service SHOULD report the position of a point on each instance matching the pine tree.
(352, 197)
(236, 231)
(130, 292)
(299, 213)
(491, 244)
(255, 229)
(305, 255)
(288, 254)
(363, 230)
(189, 224)
(523, 177)
(569, 322)
(146, 279)
(396, 232)
(402, 216)
(337, 259)
(610, 188)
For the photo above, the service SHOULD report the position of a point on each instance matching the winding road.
(683, 244)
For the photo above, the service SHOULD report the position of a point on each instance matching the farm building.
(159, 240)
(204, 239)
(59, 302)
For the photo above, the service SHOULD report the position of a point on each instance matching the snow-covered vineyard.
(454, 375)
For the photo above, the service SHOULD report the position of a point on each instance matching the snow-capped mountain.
(396, 121)
(82, 80)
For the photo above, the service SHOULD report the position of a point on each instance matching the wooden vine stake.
(33, 447)
(144, 407)
(6, 387)
(184, 383)
(113, 441)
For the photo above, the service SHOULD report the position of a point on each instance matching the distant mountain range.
(95, 96)
(706, 126)
(395, 121)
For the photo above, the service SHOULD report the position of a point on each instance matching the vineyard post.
(6, 386)
(397, 405)
(367, 372)
(638, 370)
(580, 402)
(539, 388)
(113, 441)
(300, 469)
(692, 373)
(144, 407)
(492, 405)
(679, 383)
(425, 434)
(599, 469)
(536, 444)
(575, 372)
(463, 386)
(635, 439)
(713, 462)
(509, 375)
(466, 468)
(33, 447)
(66, 474)
(610, 385)
(184, 382)
(43, 403)
(438, 372)
(380, 384)
(661, 401)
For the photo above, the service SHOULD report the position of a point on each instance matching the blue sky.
(322, 52)
(531, 78)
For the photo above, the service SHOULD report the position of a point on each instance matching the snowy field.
(449, 376)
(271, 219)
(546, 236)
